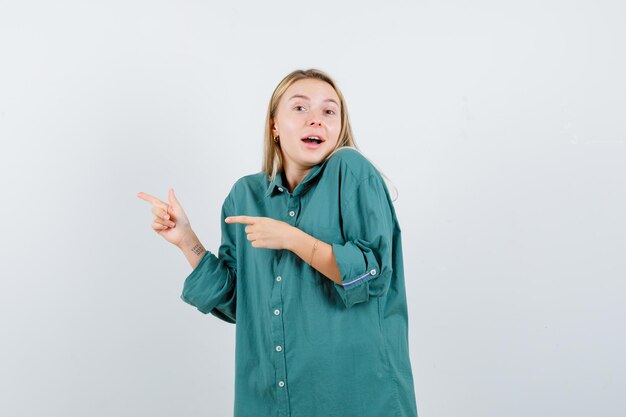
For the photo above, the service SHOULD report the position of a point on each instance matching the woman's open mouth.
(312, 142)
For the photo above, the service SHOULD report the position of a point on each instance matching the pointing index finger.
(240, 219)
(151, 199)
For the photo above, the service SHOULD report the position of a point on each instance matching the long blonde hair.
(273, 158)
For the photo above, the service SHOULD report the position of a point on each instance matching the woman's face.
(309, 107)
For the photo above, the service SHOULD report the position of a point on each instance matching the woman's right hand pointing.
(170, 220)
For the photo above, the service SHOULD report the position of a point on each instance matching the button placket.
(293, 209)
(278, 340)
(290, 205)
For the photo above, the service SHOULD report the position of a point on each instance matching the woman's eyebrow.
(306, 98)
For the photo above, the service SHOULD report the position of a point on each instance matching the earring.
(276, 138)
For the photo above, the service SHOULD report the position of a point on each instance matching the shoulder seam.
(367, 161)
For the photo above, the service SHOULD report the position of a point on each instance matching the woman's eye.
(329, 111)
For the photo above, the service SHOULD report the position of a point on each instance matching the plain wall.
(501, 124)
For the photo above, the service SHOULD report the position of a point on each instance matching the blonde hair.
(273, 158)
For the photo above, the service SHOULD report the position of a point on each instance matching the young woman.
(309, 268)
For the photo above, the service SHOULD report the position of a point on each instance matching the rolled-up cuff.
(356, 272)
(209, 284)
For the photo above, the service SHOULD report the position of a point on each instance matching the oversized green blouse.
(305, 345)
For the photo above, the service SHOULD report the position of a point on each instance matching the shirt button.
(280, 189)
(373, 272)
(281, 383)
(278, 348)
(276, 312)
(279, 278)
(292, 213)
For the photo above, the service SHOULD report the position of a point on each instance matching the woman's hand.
(265, 232)
(170, 220)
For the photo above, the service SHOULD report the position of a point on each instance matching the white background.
(500, 123)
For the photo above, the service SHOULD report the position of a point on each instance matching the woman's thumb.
(172, 198)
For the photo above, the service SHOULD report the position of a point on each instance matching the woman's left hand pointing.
(265, 232)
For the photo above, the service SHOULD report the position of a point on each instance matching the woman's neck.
(294, 176)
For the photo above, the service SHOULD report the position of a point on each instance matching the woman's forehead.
(311, 89)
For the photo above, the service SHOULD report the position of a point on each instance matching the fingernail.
(227, 219)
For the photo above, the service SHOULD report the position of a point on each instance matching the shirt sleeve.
(211, 286)
(365, 259)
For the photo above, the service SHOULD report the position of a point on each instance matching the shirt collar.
(304, 185)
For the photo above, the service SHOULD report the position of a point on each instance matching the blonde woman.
(309, 268)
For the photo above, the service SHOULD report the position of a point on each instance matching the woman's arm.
(301, 243)
(265, 232)
(192, 249)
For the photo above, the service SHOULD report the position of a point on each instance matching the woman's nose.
(315, 121)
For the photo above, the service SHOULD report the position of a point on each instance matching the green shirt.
(305, 345)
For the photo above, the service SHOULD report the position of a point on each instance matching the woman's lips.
(311, 145)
